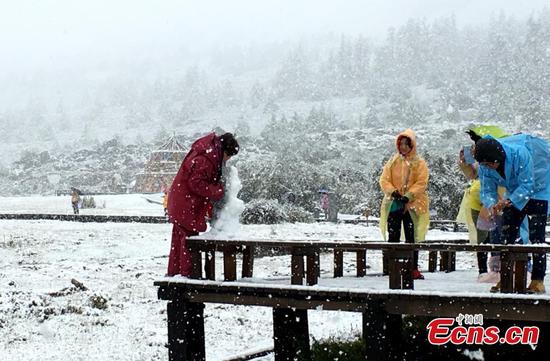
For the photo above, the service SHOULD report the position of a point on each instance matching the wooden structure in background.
(162, 167)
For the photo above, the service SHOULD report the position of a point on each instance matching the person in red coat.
(195, 186)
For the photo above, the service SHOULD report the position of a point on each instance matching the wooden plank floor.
(492, 306)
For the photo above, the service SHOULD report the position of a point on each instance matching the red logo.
(469, 330)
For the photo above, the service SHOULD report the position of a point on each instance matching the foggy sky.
(44, 34)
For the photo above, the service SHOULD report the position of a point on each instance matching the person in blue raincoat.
(471, 205)
(521, 164)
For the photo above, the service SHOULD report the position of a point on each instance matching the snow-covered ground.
(44, 317)
(119, 204)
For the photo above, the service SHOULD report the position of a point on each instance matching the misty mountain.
(319, 111)
(498, 72)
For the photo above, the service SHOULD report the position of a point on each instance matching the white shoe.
(489, 277)
(494, 264)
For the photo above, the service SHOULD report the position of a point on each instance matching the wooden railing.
(305, 261)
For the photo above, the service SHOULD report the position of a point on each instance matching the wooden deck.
(492, 306)
(382, 312)
(382, 309)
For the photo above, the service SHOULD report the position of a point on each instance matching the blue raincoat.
(527, 171)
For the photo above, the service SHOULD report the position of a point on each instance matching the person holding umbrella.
(75, 199)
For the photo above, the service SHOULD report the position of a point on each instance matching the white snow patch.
(227, 223)
(474, 355)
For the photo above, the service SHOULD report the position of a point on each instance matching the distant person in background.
(75, 200)
(165, 202)
(404, 181)
(324, 202)
(366, 213)
(197, 184)
(289, 198)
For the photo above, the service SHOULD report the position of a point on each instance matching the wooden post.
(400, 269)
(248, 261)
(210, 265)
(452, 261)
(185, 331)
(520, 276)
(338, 263)
(290, 334)
(318, 260)
(513, 272)
(313, 268)
(448, 261)
(381, 333)
(506, 273)
(394, 269)
(361, 263)
(432, 261)
(230, 264)
(196, 260)
(394, 325)
(297, 267)
(406, 273)
(385, 265)
(444, 261)
(374, 330)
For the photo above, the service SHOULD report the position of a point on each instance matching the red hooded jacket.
(196, 183)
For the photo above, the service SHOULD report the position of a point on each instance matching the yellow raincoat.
(471, 199)
(409, 175)
(165, 200)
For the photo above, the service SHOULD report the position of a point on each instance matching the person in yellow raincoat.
(165, 202)
(404, 181)
(471, 204)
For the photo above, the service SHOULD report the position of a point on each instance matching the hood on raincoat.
(196, 184)
(409, 175)
(410, 134)
(210, 147)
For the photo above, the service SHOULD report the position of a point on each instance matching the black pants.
(394, 230)
(482, 238)
(75, 208)
(512, 218)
